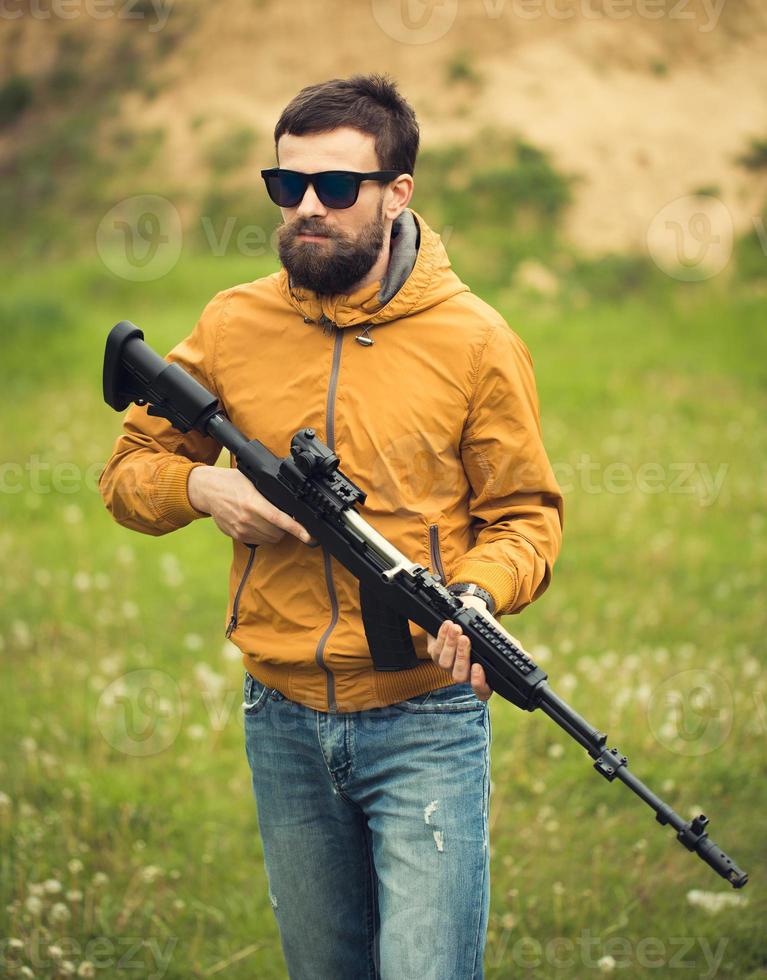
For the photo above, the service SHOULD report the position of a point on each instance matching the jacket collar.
(418, 276)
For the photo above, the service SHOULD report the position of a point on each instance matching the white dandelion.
(72, 514)
(22, 634)
(129, 609)
(714, 902)
(231, 652)
(60, 913)
(150, 874)
(125, 554)
(33, 905)
(215, 684)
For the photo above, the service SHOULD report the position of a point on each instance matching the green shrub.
(755, 158)
(15, 97)
(613, 276)
(460, 69)
(708, 190)
(518, 183)
(751, 251)
(496, 201)
(231, 151)
(63, 81)
(30, 316)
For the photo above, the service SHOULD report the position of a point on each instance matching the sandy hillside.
(641, 109)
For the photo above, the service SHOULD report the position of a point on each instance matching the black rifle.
(309, 486)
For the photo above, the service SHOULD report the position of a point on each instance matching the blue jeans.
(374, 829)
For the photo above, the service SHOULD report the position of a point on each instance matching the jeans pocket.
(453, 697)
(254, 695)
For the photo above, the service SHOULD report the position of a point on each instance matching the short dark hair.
(369, 103)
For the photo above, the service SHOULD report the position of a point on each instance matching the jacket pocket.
(232, 625)
(435, 555)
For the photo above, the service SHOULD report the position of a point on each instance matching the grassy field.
(128, 832)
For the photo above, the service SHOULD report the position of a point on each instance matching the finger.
(462, 663)
(268, 533)
(479, 683)
(298, 531)
(445, 651)
(286, 523)
(434, 643)
(447, 656)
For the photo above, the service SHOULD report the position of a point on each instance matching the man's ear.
(401, 192)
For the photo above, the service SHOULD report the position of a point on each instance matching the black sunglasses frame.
(322, 192)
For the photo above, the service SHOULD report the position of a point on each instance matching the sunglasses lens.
(285, 189)
(337, 190)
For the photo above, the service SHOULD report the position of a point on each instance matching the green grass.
(654, 579)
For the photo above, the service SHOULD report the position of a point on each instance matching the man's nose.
(310, 204)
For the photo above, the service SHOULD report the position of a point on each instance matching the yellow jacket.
(437, 420)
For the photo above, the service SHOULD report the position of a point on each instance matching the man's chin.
(316, 281)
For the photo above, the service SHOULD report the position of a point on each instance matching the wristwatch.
(470, 588)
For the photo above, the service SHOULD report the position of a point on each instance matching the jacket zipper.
(436, 558)
(236, 604)
(331, 435)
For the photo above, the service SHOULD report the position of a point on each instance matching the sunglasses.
(336, 189)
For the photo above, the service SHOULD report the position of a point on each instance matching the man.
(371, 787)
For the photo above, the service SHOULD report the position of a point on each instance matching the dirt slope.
(643, 109)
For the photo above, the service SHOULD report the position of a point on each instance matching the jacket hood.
(419, 276)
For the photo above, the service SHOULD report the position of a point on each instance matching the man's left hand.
(451, 650)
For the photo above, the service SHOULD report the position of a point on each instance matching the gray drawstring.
(363, 338)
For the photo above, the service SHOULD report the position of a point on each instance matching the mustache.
(305, 228)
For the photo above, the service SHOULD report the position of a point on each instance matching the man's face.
(350, 239)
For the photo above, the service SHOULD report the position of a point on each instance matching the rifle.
(310, 487)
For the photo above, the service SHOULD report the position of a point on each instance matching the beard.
(333, 266)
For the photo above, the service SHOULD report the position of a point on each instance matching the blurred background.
(598, 172)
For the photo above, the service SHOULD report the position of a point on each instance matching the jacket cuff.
(171, 499)
(499, 580)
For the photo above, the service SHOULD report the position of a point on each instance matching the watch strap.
(471, 588)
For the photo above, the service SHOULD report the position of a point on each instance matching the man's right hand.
(238, 509)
